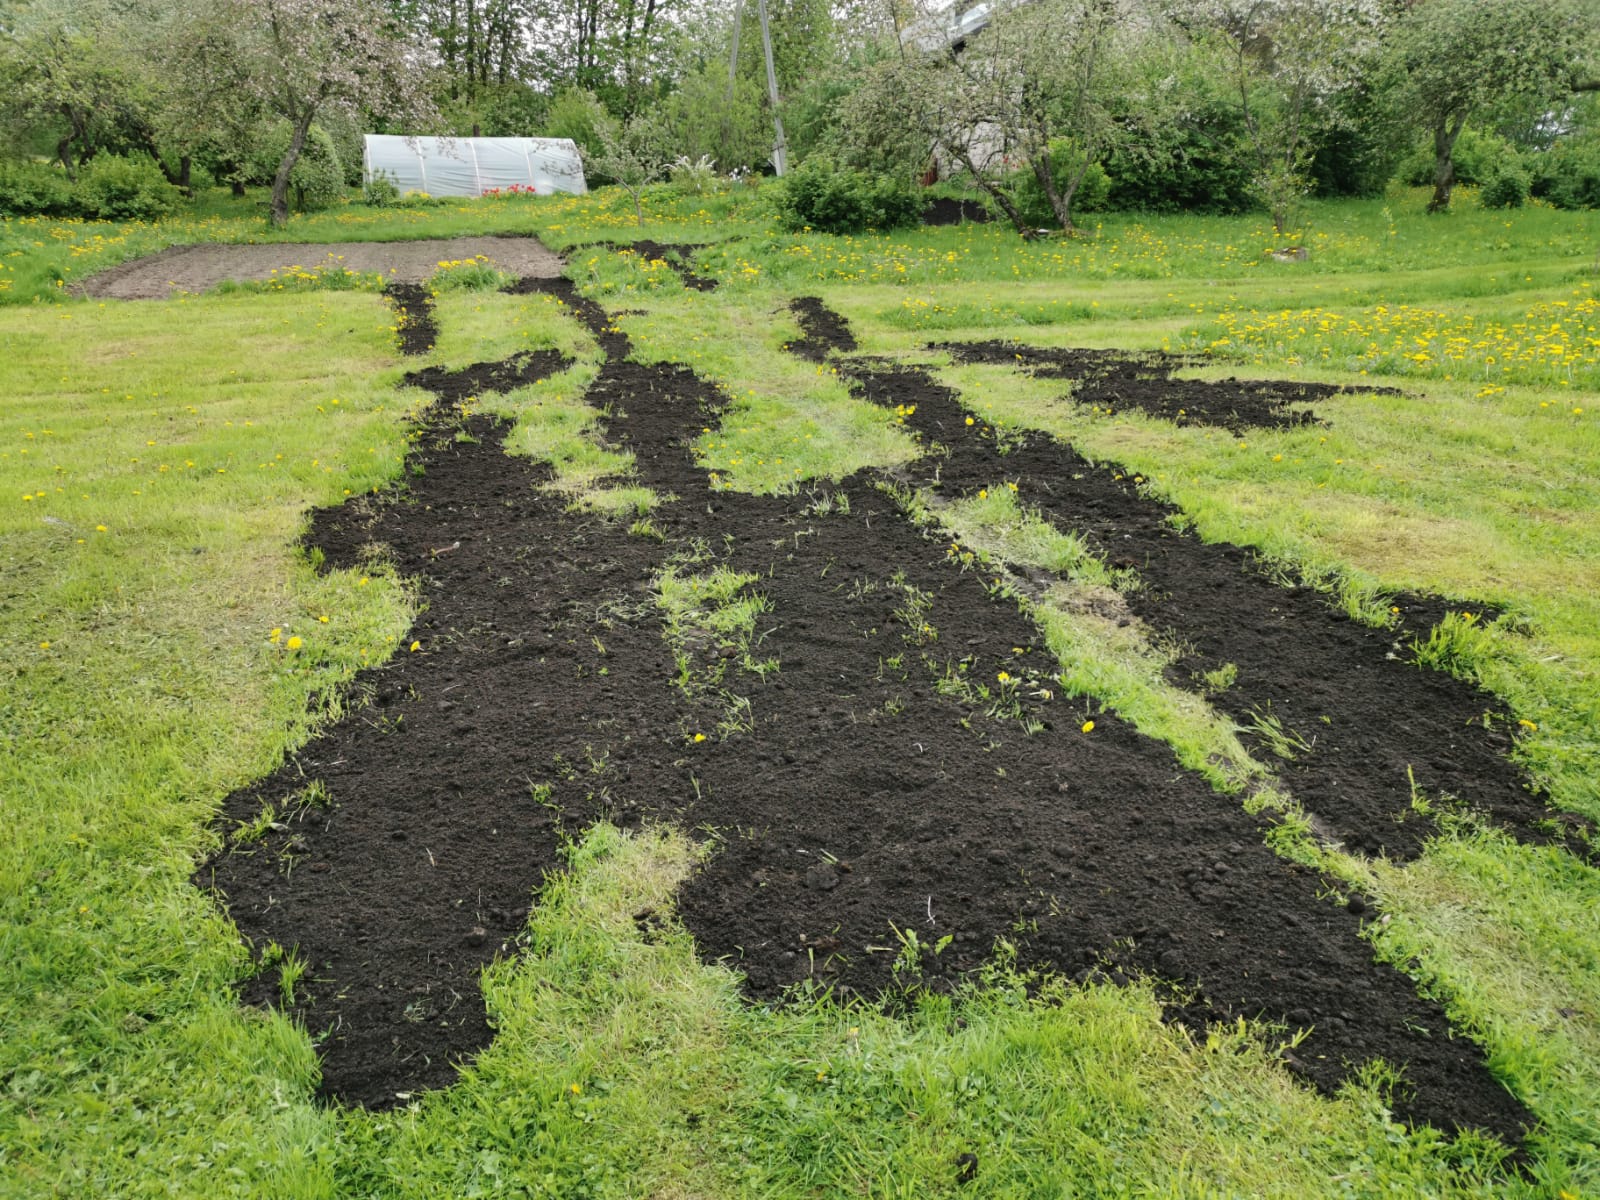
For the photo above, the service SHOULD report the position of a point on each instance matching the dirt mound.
(945, 211)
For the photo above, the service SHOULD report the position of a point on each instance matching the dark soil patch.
(945, 211)
(520, 370)
(1354, 714)
(869, 786)
(448, 781)
(1110, 381)
(414, 307)
(825, 331)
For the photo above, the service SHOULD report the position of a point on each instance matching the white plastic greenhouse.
(467, 166)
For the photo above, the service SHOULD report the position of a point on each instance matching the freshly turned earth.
(858, 796)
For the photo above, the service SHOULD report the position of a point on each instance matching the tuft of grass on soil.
(1101, 650)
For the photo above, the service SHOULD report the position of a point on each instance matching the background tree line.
(1049, 107)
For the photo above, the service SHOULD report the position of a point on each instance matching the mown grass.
(143, 681)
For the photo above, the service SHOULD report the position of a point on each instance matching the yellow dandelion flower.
(294, 643)
(1088, 727)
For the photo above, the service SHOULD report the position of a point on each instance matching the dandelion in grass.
(294, 643)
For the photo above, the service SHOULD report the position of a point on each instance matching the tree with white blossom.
(301, 58)
(1286, 59)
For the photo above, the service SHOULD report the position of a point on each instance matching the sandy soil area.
(200, 267)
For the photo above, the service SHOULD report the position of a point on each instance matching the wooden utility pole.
(780, 147)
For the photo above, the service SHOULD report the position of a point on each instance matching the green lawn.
(156, 463)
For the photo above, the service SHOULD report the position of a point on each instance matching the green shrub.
(30, 189)
(1477, 156)
(380, 190)
(1200, 163)
(1507, 187)
(693, 178)
(821, 196)
(317, 178)
(1568, 174)
(1359, 140)
(578, 114)
(1093, 190)
(113, 188)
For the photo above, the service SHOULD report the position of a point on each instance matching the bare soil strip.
(199, 268)
(825, 331)
(1111, 380)
(866, 788)
(1350, 722)
(414, 308)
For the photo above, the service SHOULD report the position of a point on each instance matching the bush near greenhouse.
(317, 179)
(1477, 157)
(1507, 187)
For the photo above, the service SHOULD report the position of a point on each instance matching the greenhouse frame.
(474, 166)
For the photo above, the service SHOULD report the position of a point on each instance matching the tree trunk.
(64, 153)
(1445, 134)
(237, 187)
(1000, 197)
(1060, 201)
(186, 175)
(280, 182)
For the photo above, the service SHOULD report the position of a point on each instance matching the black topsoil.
(857, 795)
